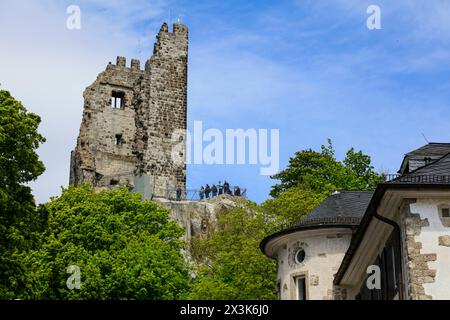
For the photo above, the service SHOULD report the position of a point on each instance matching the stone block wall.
(167, 87)
(428, 254)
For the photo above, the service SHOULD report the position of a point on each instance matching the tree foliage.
(233, 265)
(19, 164)
(291, 206)
(19, 139)
(126, 248)
(311, 176)
(322, 172)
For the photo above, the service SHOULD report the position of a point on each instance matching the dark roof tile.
(440, 167)
(340, 207)
(431, 149)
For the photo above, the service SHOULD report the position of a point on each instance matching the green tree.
(311, 176)
(19, 139)
(19, 164)
(125, 248)
(291, 206)
(233, 267)
(360, 165)
(322, 172)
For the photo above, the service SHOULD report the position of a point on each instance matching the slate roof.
(436, 172)
(342, 207)
(440, 167)
(431, 149)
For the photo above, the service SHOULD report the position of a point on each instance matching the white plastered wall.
(429, 237)
(324, 248)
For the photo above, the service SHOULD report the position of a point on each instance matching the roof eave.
(264, 242)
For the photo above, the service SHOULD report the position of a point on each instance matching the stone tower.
(133, 121)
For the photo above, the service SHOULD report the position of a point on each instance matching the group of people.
(207, 191)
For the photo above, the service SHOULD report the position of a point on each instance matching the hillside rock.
(199, 218)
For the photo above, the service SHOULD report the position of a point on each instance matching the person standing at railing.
(226, 187)
(207, 191)
(237, 191)
(220, 186)
(214, 190)
(201, 193)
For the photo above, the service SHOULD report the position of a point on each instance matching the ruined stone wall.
(154, 105)
(167, 109)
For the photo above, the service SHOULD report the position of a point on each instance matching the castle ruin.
(129, 120)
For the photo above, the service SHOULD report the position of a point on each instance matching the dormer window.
(117, 100)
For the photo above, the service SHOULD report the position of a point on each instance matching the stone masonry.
(132, 121)
(418, 269)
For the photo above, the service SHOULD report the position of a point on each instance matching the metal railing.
(413, 179)
(194, 194)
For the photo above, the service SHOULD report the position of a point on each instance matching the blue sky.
(309, 68)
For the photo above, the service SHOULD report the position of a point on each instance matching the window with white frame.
(300, 284)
